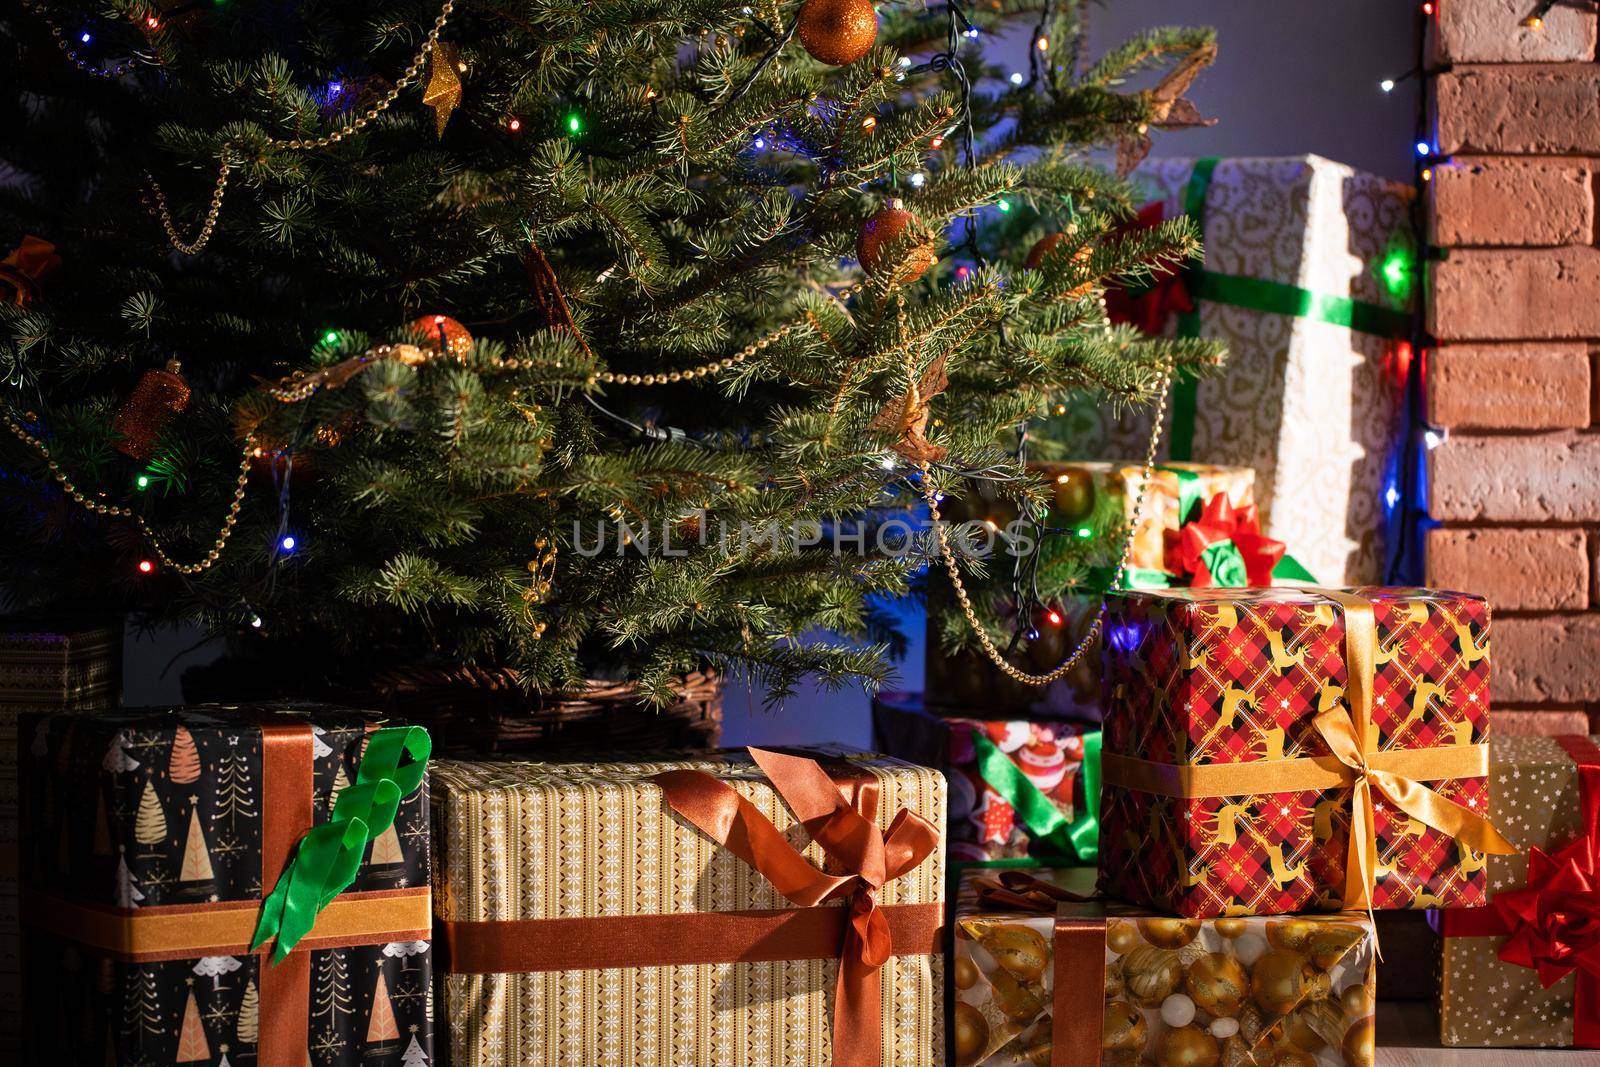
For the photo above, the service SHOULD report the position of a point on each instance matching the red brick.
(1546, 659)
(1491, 201)
(1491, 31)
(1509, 387)
(1537, 110)
(1544, 722)
(1544, 478)
(1516, 569)
(1480, 295)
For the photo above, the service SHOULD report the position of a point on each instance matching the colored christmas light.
(143, 481)
(1424, 148)
(145, 566)
(85, 38)
(513, 124)
(1387, 85)
(288, 543)
(1054, 617)
(1085, 532)
(330, 337)
(1003, 204)
(574, 124)
(1043, 43)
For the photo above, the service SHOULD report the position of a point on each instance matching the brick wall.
(1515, 309)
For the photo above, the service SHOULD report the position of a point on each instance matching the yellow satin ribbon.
(1350, 737)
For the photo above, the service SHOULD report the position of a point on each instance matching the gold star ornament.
(443, 92)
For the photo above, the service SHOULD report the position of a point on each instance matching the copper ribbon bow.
(840, 817)
(26, 267)
(1351, 738)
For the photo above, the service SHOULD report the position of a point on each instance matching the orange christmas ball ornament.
(838, 31)
(892, 243)
(159, 397)
(441, 335)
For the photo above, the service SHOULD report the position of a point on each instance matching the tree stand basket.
(474, 712)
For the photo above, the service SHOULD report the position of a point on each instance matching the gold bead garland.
(98, 506)
(1124, 561)
(209, 222)
(116, 70)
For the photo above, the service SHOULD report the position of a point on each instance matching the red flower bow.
(1555, 920)
(1224, 547)
(1163, 296)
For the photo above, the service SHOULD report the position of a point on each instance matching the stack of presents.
(1175, 857)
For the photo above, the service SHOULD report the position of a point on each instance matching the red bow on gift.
(1224, 547)
(1163, 296)
(1555, 920)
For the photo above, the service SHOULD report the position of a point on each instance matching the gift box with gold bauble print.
(720, 908)
(1288, 749)
(1043, 981)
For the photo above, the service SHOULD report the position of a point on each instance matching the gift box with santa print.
(1525, 971)
(1291, 749)
(1308, 279)
(1045, 978)
(150, 842)
(1020, 789)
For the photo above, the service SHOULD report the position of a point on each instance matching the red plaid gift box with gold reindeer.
(1289, 749)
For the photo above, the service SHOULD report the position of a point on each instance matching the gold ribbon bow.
(840, 817)
(1350, 737)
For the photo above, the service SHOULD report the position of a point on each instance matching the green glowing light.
(143, 481)
(1395, 272)
(1004, 204)
(1084, 531)
(574, 124)
(330, 337)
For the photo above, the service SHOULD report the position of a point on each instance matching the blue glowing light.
(1424, 148)
(85, 38)
(288, 543)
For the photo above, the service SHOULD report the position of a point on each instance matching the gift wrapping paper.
(132, 819)
(1483, 999)
(983, 825)
(1312, 407)
(1215, 678)
(45, 665)
(1239, 992)
(966, 679)
(580, 841)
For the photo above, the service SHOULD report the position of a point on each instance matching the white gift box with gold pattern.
(589, 923)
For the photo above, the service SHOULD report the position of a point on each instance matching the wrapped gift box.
(1018, 787)
(1240, 723)
(1308, 279)
(1048, 982)
(590, 916)
(1543, 919)
(968, 681)
(149, 840)
(46, 664)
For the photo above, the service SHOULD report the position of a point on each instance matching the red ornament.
(1163, 296)
(892, 241)
(26, 267)
(441, 335)
(159, 396)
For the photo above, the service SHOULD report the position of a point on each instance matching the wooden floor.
(1408, 1036)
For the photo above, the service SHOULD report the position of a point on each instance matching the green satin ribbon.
(1257, 294)
(1292, 569)
(1190, 500)
(1052, 831)
(1226, 564)
(329, 856)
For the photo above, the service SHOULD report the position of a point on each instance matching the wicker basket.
(473, 712)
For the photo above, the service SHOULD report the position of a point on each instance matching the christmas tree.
(550, 335)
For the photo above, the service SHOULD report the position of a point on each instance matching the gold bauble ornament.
(1315, 1023)
(1122, 1057)
(838, 31)
(1332, 942)
(1022, 951)
(441, 335)
(1169, 933)
(1356, 1001)
(1230, 928)
(1151, 974)
(1293, 1057)
(1279, 981)
(1218, 984)
(1115, 985)
(972, 1033)
(1121, 936)
(1358, 1043)
(1015, 1000)
(1122, 1026)
(966, 972)
(892, 242)
(1074, 491)
(1292, 934)
(1187, 1046)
